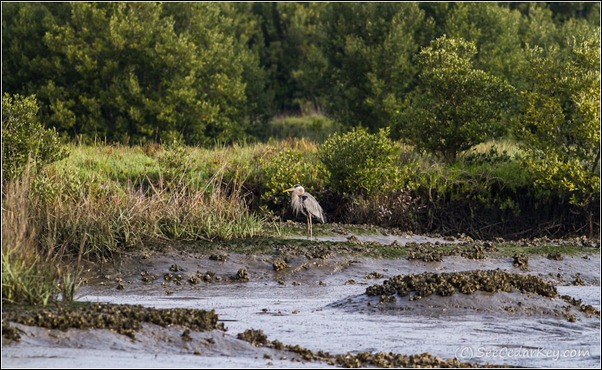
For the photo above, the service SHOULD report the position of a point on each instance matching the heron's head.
(297, 189)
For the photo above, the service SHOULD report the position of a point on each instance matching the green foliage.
(561, 121)
(105, 168)
(495, 31)
(290, 53)
(369, 48)
(490, 180)
(24, 139)
(211, 73)
(456, 106)
(138, 71)
(568, 178)
(360, 163)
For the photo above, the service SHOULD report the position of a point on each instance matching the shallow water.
(301, 316)
(322, 306)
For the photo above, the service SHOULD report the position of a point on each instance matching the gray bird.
(302, 201)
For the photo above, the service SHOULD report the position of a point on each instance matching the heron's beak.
(291, 189)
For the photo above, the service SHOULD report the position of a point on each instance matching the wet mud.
(386, 301)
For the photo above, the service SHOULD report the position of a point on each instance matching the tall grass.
(218, 211)
(31, 272)
(112, 217)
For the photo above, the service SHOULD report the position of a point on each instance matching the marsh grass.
(32, 273)
(107, 199)
(112, 217)
(218, 211)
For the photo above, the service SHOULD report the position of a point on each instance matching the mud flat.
(324, 298)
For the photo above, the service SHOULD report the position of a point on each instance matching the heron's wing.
(311, 205)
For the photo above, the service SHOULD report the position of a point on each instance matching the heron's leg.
(308, 227)
(311, 237)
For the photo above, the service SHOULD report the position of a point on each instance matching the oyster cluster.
(318, 253)
(362, 359)
(10, 333)
(208, 277)
(555, 256)
(219, 257)
(121, 318)
(579, 280)
(375, 275)
(279, 264)
(520, 261)
(429, 252)
(175, 268)
(147, 277)
(241, 276)
(587, 309)
(255, 337)
(467, 282)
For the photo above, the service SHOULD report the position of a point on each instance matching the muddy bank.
(154, 346)
(193, 266)
(313, 295)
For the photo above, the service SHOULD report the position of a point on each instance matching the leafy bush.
(557, 176)
(24, 139)
(360, 163)
(560, 126)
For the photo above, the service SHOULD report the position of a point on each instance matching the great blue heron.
(302, 201)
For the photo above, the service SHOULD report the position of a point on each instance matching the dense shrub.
(560, 125)
(24, 139)
(360, 163)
